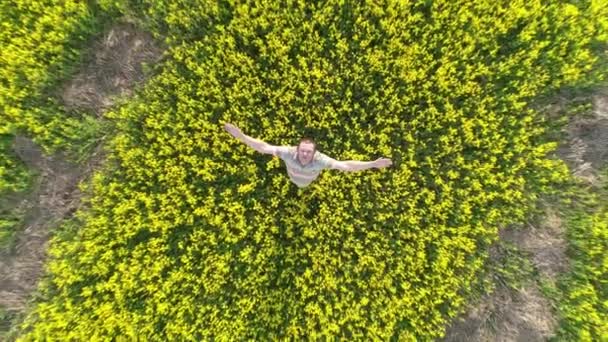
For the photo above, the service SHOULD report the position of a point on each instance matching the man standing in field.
(304, 163)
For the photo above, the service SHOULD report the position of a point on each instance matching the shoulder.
(324, 161)
(283, 151)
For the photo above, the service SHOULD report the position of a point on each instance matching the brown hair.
(308, 140)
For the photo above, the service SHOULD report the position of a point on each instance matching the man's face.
(306, 151)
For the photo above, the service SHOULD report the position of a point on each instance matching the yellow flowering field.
(191, 235)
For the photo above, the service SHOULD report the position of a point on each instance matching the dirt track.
(525, 315)
(114, 69)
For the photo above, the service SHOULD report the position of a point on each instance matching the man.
(304, 163)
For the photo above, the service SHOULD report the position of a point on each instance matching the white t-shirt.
(303, 175)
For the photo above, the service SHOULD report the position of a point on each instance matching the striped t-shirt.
(303, 175)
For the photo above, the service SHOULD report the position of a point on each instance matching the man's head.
(306, 150)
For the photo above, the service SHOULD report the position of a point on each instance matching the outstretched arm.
(256, 144)
(355, 165)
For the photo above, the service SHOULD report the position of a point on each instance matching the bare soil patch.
(55, 196)
(116, 67)
(506, 315)
(545, 243)
(585, 148)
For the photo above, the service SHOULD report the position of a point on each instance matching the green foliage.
(14, 176)
(6, 318)
(9, 221)
(195, 237)
(41, 43)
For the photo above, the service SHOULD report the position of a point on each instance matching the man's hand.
(382, 162)
(233, 130)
